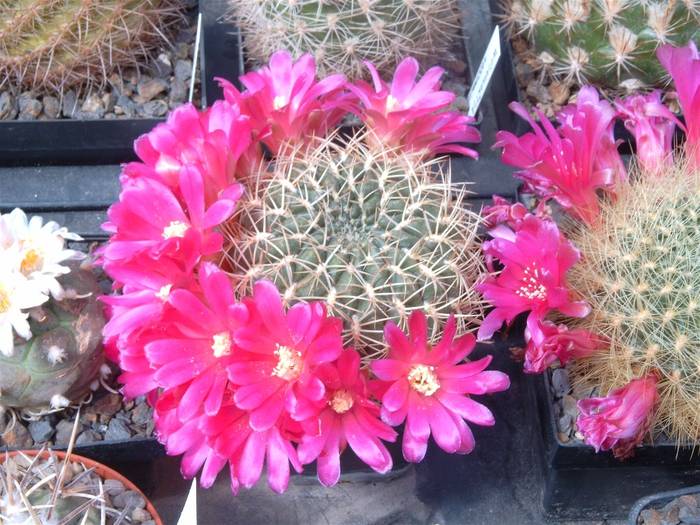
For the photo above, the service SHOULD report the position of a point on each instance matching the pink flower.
(348, 417)
(430, 389)
(571, 163)
(201, 353)
(512, 215)
(535, 261)
(216, 141)
(282, 351)
(652, 125)
(149, 218)
(412, 114)
(619, 420)
(683, 64)
(558, 343)
(285, 101)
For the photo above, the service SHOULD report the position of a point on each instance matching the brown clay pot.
(102, 470)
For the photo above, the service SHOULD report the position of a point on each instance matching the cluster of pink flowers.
(245, 381)
(573, 164)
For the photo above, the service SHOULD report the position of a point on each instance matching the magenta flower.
(285, 101)
(429, 389)
(150, 218)
(216, 141)
(282, 348)
(535, 261)
(569, 164)
(619, 420)
(412, 114)
(558, 343)
(201, 353)
(652, 124)
(683, 64)
(348, 417)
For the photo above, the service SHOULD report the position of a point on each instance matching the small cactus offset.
(342, 34)
(369, 232)
(58, 43)
(640, 272)
(64, 356)
(611, 43)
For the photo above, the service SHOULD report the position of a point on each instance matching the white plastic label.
(189, 512)
(485, 71)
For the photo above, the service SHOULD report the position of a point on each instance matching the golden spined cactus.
(640, 272)
(605, 42)
(372, 233)
(341, 34)
(54, 44)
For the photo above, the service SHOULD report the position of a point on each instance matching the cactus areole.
(63, 357)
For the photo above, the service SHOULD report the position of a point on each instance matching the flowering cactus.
(242, 373)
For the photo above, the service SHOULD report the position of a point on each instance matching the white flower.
(41, 249)
(17, 293)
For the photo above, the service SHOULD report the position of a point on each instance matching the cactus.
(640, 272)
(63, 357)
(611, 43)
(365, 230)
(58, 43)
(344, 33)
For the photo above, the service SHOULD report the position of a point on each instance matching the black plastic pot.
(583, 484)
(82, 142)
(658, 500)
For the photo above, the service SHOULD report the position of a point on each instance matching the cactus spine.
(63, 357)
(606, 42)
(367, 231)
(344, 33)
(640, 271)
(58, 43)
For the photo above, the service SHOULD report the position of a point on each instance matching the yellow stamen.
(289, 363)
(4, 300)
(279, 102)
(423, 380)
(341, 401)
(222, 344)
(164, 292)
(174, 229)
(31, 262)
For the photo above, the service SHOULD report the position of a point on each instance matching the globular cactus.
(64, 356)
(605, 42)
(58, 43)
(369, 232)
(640, 272)
(341, 34)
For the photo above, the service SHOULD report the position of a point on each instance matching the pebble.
(86, 437)
(149, 88)
(92, 108)
(559, 92)
(29, 107)
(182, 50)
(125, 106)
(107, 405)
(179, 92)
(52, 107)
(142, 414)
(461, 104)
(18, 437)
(113, 487)
(560, 382)
(569, 405)
(524, 72)
(140, 515)
(162, 67)
(129, 499)
(538, 92)
(64, 430)
(117, 430)
(8, 106)
(154, 108)
(565, 423)
(564, 438)
(457, 65)
(183, 70)
(41, 430)
(70, 104)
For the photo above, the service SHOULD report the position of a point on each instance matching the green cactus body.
(365, 231)
(58, 43)
(64, 355)
(341, 34)
(605, 42)
(640, 272)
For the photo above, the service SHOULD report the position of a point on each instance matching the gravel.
(684, 510)
(158, 86)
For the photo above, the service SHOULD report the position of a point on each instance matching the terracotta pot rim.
(102, 470)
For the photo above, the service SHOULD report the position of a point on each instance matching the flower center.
(31, 262)
(289, 363)
(222, 344)
(279, 102)
(341, 401)
(4, 300)
(423, 380)
(391, 103)
(164, 292)
(531, 287)
(174, 229)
